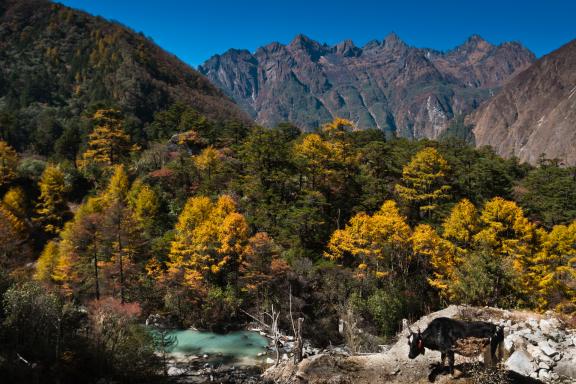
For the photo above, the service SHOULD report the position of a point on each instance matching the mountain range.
(388, 85)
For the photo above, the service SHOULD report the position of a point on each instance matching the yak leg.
(451, 362)
(443, 358)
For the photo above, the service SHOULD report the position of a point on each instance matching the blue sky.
(195, 30)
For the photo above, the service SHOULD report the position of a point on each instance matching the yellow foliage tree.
(208, 238)
(118, 187)
(8, 163)
(146, 207)
(52, 208)
(554, 268)
(462, 223)
(15, 201)
(510, 235)
(318, 157)
(422, 184)
(208, 161)
(108, 144)
(47, 262)
(11, 234)
(337, 127)
(441, 255)
(376, 244)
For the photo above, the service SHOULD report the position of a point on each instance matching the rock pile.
(540, 348)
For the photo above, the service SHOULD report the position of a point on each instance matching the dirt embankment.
(537, 348)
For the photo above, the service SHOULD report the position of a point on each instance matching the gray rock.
(544, 374)
(546, 326)
(546, 359)
(557, 358)
(521, 362)
(547, 349)
(510, 342)
(533, 339)
(534, 351)
(567, 368)
(543, 365)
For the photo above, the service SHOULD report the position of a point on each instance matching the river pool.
(241, 346)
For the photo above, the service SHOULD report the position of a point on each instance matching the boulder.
(521, 362)
(547, 349)
(567, 367)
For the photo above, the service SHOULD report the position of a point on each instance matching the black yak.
(443, 334)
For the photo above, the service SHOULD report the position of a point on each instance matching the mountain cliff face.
(59, 61)
(535, 113)
(387, 84)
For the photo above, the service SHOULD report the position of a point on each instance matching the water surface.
(241, 346)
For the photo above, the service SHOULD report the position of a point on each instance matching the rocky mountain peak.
(474, 43)
(303, 42)
(372, 44)
(393, 41)
(347, 48)
(311, 48)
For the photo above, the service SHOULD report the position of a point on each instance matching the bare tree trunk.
(299, 344)
(297, 330)
(275, 331)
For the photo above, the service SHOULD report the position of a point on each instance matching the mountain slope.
(61, 61)
(386, 84)
(535, 113)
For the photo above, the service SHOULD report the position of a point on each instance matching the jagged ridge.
(387, 84)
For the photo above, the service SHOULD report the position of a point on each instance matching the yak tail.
(496, 342)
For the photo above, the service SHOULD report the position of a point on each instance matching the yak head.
(416, 344)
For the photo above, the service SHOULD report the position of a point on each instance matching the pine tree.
(52, 210)
(108, 143)
(208, 161)
(145, 208)
(511, 238)
(441, 255)
(375, 244)
(47, 262)
(8, 163)
(317, 158)
(422, 184)
(15, 201)
(462, 224)
(554, 268)
(11, 234)
(209, 239)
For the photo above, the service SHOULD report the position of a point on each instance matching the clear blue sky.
(195, 30)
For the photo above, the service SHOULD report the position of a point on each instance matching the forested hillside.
(58, 65)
